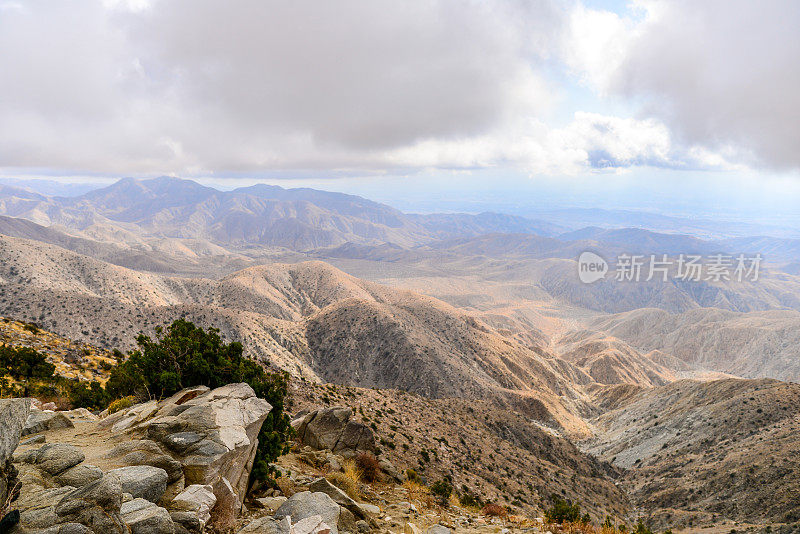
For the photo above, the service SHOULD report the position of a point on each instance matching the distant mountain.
(266, 216)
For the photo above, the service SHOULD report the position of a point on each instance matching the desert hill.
(696, 452)
(754, 345)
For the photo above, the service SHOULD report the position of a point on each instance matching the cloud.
(181, 84)
(724, 74)
(205, 86)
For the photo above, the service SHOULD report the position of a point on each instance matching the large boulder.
(13, 414)
(214, 436)
(333, 429)
(307, 504)
(142, 481)
(39, 421)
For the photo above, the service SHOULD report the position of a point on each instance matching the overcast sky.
(539, 89)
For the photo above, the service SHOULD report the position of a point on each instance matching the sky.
(667, 105)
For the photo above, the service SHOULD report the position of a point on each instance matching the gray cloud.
(722, 73)
(205, 84)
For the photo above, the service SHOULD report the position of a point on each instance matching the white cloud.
(724, 74)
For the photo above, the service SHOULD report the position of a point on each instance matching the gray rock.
(264, 525)
(186, 523)
(338, 496)
(271, 504)
(43, 421)
(55, 458)
(306, 504)
(331, 428)
(13, 414)
(96, 505)
(228, 419)
(144, 517)
(438, 529)
(147, 452)
(363, 527)
(197, 500)
(35, 440)
(142, 481)
(79, 475)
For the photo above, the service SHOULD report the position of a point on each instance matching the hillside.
(698, 452)
(753, 345)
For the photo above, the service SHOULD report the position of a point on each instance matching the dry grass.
(287, 487)
(416, 491)
(349, 480)
(494, 510)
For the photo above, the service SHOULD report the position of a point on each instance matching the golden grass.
(121, 404)
(417, 491)
(349, 480)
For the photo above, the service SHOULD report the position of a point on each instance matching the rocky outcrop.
(212, 435)
(306, 504)
(13, 414)
(186, 462)
(333, 429)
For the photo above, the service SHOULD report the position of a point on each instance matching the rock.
(33, 441)
(271, 504)
(144, 517)
(81, 414)
(51, 406)
(391, 471)
(196, 499)
(363, 527)
(264, 525)
(13, 415)
(438, 529)
(411, 528)
(307, 504)
(338, 496)
(215, 432)
(331, 428)
(96, 505)
(55, 458)
(372, 509)
(43, 421)
(147, 452)
(186, 523)
(79, 475)
(9, 521)
(142, 481)
(311, 525)
(347, 521)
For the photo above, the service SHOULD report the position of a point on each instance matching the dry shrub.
(416, 491)
(121, 404)
(494, 510)
(287, 487)
(368, 464)
(349, 480)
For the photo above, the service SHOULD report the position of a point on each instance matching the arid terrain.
(467, 341)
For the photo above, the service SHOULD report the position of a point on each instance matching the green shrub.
(441, 491)
(121, 404)
(563, 511)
